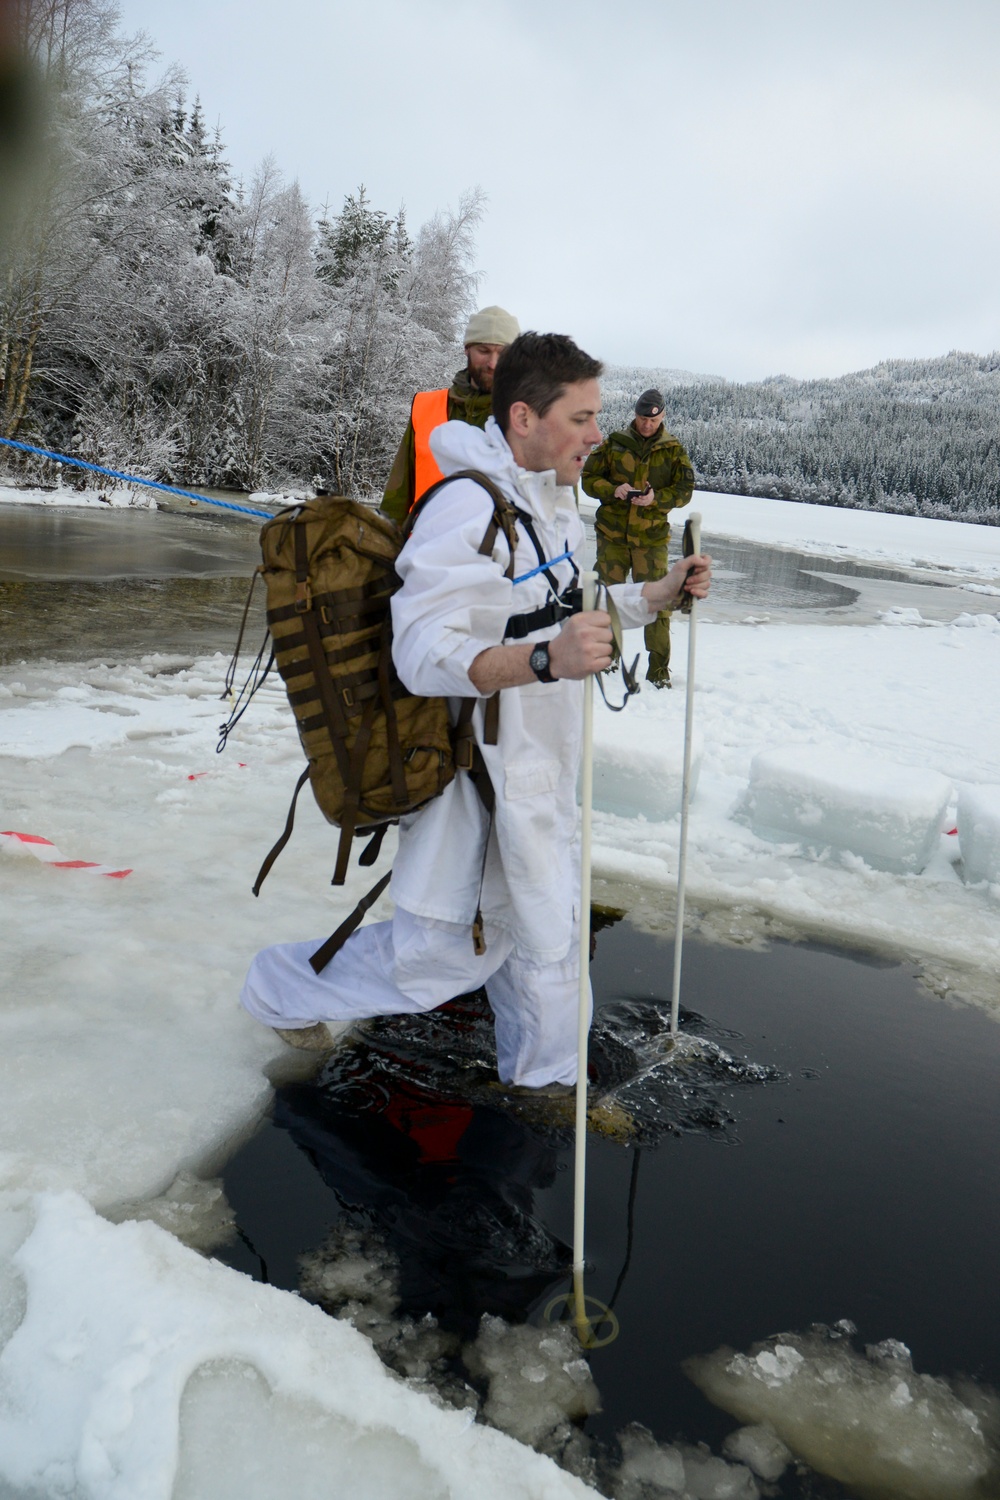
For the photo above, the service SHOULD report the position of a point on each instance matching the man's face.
(646, 426)
(563, 438)
(482, 361)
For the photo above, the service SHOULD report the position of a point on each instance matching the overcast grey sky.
(743, 187)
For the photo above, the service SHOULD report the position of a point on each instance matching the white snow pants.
(408, 965)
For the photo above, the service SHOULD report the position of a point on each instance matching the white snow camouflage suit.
(452, 605)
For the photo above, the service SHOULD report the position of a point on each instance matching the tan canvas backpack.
(374, 750)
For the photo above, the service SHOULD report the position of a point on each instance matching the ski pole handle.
(691, 548)
(588, 590)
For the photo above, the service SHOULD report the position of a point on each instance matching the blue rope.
(153, 484)
(563, 557)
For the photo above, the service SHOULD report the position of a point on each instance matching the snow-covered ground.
(907, 541)
(129, 1072)
(121, 496)
(64, 496)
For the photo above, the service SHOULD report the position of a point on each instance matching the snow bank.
(117, 498)
(979, 832)
(891, 816)
(120, 1013)
(867, 1420)
(137, 1363)
(861, 535)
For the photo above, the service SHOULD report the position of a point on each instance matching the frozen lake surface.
(100, 544)
(72, 581)
(132, 1365)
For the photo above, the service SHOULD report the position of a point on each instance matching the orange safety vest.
(429, 410)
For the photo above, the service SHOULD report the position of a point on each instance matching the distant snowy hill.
(621, 384)
(629, 380)
(918, 437)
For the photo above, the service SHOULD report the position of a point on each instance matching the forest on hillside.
(917, 437)
(158, 315)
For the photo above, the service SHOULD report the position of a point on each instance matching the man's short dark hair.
(536, 368)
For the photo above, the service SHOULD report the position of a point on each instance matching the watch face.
(538, 661)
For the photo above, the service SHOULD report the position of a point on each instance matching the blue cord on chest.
(563, 557)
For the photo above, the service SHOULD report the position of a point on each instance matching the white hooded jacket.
(454, 604)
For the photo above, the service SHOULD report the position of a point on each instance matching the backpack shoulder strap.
(504, 518)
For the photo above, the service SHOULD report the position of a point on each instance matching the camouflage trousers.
(615, 560)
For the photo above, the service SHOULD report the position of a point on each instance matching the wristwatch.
(538, 661)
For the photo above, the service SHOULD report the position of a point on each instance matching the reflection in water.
(449, 1188)
(36, 542)
(123, 618)
(423, 1148)
(441, 1251)
(769, 578)
(113, 584)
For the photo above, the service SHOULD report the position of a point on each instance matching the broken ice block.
(889, 815)
(639, 768)
(979, 832)
(869, 1421)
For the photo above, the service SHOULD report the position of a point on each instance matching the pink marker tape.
(47, 852)
(197, 775)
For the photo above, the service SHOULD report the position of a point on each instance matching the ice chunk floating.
(890, 815)
(868, 1420)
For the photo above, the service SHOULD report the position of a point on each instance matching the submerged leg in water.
(406, 966)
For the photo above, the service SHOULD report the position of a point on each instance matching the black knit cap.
(650, 404)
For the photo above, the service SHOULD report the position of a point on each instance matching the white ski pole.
(692, 544)
(588, 583)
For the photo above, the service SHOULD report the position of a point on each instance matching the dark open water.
(857, 1180)
(75, 582)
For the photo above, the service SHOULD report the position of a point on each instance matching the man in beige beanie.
(469, 398)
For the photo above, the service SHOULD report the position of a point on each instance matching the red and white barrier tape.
(46, 851)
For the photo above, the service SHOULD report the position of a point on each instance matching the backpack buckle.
(464, 752)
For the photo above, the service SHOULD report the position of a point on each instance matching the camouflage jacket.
(465, 404)
(627, 458)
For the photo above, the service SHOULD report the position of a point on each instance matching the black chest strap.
(558, 607)
(553, 613)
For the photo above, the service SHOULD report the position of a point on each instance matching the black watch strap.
(538, 661)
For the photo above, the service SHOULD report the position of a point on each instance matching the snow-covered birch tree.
(157, 317)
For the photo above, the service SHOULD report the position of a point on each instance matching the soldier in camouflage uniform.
(470, 399)
(639, 476)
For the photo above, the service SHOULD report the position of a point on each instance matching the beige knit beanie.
(491, 325)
